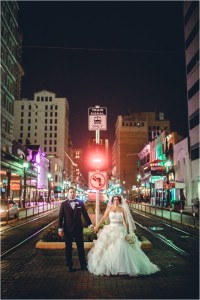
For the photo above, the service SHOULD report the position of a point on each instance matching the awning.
(179, 185)
(156, 161)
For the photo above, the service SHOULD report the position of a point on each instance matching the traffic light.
(97, 157)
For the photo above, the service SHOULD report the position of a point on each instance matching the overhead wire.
(100, 49)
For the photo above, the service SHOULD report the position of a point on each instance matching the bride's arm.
(125, 220)
(96, 228)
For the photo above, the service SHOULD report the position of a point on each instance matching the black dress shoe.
(84, 268)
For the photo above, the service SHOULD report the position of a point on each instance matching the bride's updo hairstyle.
(119, 198)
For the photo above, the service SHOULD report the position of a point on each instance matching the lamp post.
(49, 186)
(168, 164)
(138, 180)
(64, 188)
(8, 183)
(25, 165)
(36, 186)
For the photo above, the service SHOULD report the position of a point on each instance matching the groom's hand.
(96, 228)
(92, 227)
(60, 232)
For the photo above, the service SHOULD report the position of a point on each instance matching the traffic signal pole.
(97, 191)
(97, 120)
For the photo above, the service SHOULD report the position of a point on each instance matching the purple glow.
(38, 158)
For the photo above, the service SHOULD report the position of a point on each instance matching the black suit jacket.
(70, 219)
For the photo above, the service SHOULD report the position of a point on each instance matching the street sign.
(97, 180)
(97, 118)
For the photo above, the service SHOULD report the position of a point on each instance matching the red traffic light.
(96, 157)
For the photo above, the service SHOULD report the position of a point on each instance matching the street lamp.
(49, 186)
(138, 180)
(25, 166)
(36, 186)
(64, 188)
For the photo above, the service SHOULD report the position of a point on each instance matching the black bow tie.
(72, 201)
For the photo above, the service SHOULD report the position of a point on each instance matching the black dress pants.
(78, 237)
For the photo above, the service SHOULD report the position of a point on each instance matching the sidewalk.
(186, 216)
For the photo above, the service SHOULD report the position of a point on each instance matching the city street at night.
(100, 169)
(30, 273)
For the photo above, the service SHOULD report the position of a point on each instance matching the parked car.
(8, 208)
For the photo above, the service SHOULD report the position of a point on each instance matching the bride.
(117, 250)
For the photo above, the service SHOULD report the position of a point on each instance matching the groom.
(70, 226)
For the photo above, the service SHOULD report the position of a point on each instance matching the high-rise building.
(44, 121)
(132, 133)
(191, 24)
(11, 70)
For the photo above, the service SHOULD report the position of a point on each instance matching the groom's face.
(71, 194)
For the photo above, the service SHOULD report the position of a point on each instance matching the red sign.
(14, 185)
(97, 180)
(158, 168)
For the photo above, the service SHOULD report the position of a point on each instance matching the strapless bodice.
(116, 218)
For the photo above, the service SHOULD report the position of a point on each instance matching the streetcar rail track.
(169, 225)
(169, 242)
(26, 239)
(158, 236)
(26, 222)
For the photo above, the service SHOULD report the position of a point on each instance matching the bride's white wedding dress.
(113, 255)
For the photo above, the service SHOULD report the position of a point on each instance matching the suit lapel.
(75, 210)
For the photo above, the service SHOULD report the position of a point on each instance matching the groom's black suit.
(70, 221)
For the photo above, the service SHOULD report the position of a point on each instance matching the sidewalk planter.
(51, 240)
(146, 244)
(59, 245)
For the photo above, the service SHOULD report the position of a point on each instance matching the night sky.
(126, 56)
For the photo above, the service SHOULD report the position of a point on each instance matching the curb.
(60, 245)
(146, 244)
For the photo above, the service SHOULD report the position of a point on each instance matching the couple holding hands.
(112, 253)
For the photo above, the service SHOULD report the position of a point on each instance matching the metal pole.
(36, 192)
(170, 214)
(181, 216)
(97, 191)
(49, 177)
(97, 136)
(48, 198)
(8, 184)
(181, 211)
(24, 195)
(193, 214)
(97, 205)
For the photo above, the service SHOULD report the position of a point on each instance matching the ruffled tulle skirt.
(113, 255)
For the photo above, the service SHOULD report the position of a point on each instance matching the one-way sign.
(97, 118)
